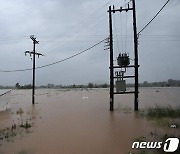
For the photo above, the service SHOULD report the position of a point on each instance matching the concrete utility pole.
(111, 61)
(34, 60)
(136, 99)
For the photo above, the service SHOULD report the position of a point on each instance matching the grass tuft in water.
(163, 112)
(20, 111)
(140, 139)
(22, 152)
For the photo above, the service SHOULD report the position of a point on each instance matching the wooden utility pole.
(34, 64)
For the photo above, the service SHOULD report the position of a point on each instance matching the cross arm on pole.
(34, 39)
(31, 52)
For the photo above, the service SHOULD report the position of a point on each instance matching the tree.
(145, 84)
(17, 86)
(90, 85)
(104, 85)
(50, 85)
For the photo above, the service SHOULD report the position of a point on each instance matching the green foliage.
(90, 85)
(164, 116)
(163, 112)
(169, 83)
(140, 139)
(20, 111)
(18, 86)
(26, 125)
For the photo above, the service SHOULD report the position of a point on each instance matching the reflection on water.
(79, 121)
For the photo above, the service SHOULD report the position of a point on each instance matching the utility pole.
(111, 61)
(120, 75)
(136, 100)
(34, 64)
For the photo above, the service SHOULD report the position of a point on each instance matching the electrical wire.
(77, 25)
(116, 34)
(153, 18)
(15, 40)
(69, 37)
(121, 31)
(126, 32)
(28, 69)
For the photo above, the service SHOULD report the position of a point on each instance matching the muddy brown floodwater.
(79, 121)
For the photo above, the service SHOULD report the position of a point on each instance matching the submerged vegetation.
(164, 116)
(8, 133)
(17, 129)
(162, 112)
(20, 111)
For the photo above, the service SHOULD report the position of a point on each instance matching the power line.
(67, 31)
(72, 55)
(116, 34)
(43, 66)
(153, 18)
(121, 31)
(79, 23)
(93, 23)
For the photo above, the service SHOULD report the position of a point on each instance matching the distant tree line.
(52, 86)
(89, 85)
(169, 83)
(18, 86)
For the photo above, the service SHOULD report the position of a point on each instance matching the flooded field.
(75, 121)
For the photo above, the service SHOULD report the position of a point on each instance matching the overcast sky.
(66, 27)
